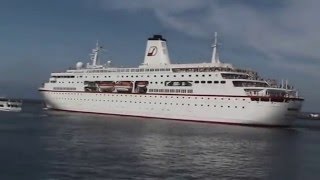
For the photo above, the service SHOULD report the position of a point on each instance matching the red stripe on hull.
(185, 120)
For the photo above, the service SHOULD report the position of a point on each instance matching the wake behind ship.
(207, 92)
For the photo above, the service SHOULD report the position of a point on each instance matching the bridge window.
(249, 84)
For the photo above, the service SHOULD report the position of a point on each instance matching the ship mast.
(95, 54)
(215, 55)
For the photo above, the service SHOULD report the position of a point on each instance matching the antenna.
(95, 54)
(215, 55)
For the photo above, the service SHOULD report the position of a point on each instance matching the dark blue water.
(36, 144)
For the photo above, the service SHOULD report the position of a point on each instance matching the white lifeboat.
(123, 86)
(106, 84)
(142, 84)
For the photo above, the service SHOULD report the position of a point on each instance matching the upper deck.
(157, 74)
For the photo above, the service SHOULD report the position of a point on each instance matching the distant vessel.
(207, 92)
(314, 115)
(9, 105)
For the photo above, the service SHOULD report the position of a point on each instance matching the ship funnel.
(156, 51)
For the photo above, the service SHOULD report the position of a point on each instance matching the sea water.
(39, 144)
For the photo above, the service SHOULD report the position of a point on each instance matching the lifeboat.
(142, 84)
(123, 86)
(106, 86)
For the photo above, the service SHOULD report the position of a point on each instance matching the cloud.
(278, 30)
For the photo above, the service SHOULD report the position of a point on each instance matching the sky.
(278, 39)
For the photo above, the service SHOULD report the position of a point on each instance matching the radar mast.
(215, 55)
(95, 55)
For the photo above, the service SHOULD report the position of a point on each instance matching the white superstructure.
(210, 92)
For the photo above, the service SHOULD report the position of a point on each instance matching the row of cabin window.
(63, 76)
(196, 82)
(209, 82)
(125, 95)
(153, 76)
(145, 102)
(127, 70)
(65, 88)
(66, 82)
(172, 90)
(72, 82)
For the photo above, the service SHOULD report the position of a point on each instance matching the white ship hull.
(218, 109)
(10, 109)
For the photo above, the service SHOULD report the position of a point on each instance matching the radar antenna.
(95, 54)
(215, 55)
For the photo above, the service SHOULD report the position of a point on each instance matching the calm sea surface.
(37, 144)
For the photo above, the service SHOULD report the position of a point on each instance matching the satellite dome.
(79, 65)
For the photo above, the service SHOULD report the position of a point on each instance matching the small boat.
(123, 86)
(314, 115)
(142, 84)
(106, 86)
(9, 105)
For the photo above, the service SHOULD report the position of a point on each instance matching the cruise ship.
(214, 91)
